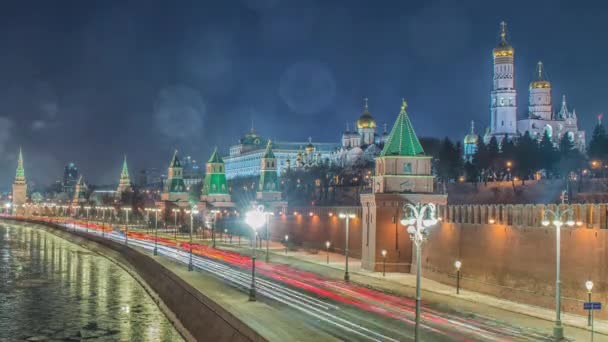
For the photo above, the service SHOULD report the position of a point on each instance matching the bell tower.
(19, 187)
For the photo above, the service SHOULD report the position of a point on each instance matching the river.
(51, 289)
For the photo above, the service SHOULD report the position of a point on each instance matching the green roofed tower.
(174, 189)
(215, 177)
(19, 187)
(402, 166)
(215, 189)
(124, 184)
(402, 140)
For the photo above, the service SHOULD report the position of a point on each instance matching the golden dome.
(540, 81)
(503, 49)
(471, 139)
(366, 120)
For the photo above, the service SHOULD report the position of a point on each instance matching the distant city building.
(80, 192)
(70, 177)
(19, 187)
(150, 178)
(540, 117)
(193, 174)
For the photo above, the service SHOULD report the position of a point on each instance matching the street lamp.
(192, 212)
(557, 221)
(347, 217)
(214, 212)
(383, 262)
(286, 240)
(589, 286)
(8, 207)
(255, 219)
(327, 244)
(155, 210)
(421, 217)
(127, 209)
(87, 208)
(175, 211)
(458, 265)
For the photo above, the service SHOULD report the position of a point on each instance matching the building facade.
(540, 117)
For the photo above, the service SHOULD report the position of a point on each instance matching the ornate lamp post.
(327, 245)
(286, 240)
(347, 217)
(557, 220)
(127, 209)
(214, 212)
(421, 217)
(155, 211)
(255, 219)
(175, 211)
(192, 212)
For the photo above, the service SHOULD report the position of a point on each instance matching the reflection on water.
(51, 289)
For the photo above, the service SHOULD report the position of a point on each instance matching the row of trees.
(521, 158)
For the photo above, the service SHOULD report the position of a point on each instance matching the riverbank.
(194, 315)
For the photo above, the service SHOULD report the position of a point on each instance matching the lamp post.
(192, 212)
(126, 209)
(589, 286)
(267, 221)
(327, 244)
(286, 240)
(557, 221)
(458, 265)
(347, 217)
(213, 222)
(175, 211)
(383, 262)
(155, 210)
(421, 217)
(255, 219)
(8, 208)
(87, 208)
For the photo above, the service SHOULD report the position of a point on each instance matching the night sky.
(88, 81)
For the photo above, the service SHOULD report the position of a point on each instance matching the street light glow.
(457, 264)
(589, 285)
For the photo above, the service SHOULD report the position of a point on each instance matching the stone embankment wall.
(194, 314)
(515, 256)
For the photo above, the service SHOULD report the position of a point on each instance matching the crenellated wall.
(514, 258)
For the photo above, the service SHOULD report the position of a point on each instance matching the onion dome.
(504, 49)
(309, 147)
(366, 120)
(251, 138)
(540, 81)
(471, 138)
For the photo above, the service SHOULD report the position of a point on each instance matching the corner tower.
(503, 107)
(403, 175)
(174, 189)
(19, 187)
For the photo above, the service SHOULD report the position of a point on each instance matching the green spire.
(125, 182)
(175, 161)
(215, 157)
(268, 154)
(215, 178)
(402, 141)
(125, 169)
(20, 174)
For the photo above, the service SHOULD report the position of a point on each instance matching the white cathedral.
(540, 117)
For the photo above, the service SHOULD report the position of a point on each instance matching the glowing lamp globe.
(429, 222)
(411, 230)
(255, 219)
(327, 244)
(545, 223)
(408, 221)
(570, 222)
(589, 285)
(457, 264)
(384, 253)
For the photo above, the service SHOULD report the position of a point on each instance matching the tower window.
(502, 123)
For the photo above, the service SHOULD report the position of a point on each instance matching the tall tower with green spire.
(19, 186)
(174, 189)
(268, 192)
(402, 175)
(215, 189)
(80, 192)
(124, 184)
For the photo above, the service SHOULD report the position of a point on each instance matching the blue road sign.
(592, 306)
